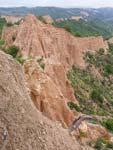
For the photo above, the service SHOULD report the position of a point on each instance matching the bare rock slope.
(22, 127)
(36, 38)
(46, 95)
(12, 19)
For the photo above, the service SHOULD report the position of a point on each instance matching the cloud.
(60, 3)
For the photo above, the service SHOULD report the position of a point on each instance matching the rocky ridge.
(22, 126)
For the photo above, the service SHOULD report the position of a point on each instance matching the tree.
(12, 50)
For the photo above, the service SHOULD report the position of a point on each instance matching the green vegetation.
(41, 19)
(1, 43)
(41, 63)
(12, 50)
(87, 28)
(74, 106)
(13, 37)
(103, 144)
(108, 124)
(20, 60)
(9, 24)
(82, 134)
(2, 23)
(93, 85)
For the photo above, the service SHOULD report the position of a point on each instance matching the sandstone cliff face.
(46, 94)
(48, 19)
(22, 127)
(36, 38)
(110, 40)
(12, 19)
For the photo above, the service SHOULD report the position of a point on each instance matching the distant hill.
(94, 22)
(55, 12)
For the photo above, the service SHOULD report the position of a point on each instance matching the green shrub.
(9, 24)
(13, 37)
(89, 57)
(111, 47)
(40, 62)
(109, 145)
(103, 144)
(108, 69)
(1, 43)
(20, 60)
(67, 28)
(18, 22)
(74, 106)
(96, 95)
(82, 134)
(108, 124)
(99, 144)
(2, 23)
(42, 65)
(101, 51)
(12, 50)
(78, 34)
(42, 19)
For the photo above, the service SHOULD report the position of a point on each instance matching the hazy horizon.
(57, 3)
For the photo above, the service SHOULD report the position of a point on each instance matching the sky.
(58, 3)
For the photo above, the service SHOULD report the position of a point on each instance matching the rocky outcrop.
(12, 19)
(48, 19)
(21, 125)
(46, 94)
(77, 18)
(55, 65)
(38, 39)
(110, 40)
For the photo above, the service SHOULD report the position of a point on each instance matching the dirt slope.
(22, 127)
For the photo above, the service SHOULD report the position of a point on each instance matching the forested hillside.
(88, 28)
(94, 85)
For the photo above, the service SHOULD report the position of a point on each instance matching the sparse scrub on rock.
(41, 63)
(9, 24)
(42, 19)
(103, 143)
(13, 51)
(108, 124)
